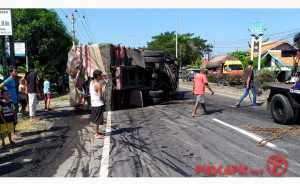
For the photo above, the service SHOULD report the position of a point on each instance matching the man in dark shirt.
(248, 82)
(32, 80)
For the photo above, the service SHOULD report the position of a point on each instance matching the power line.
(66, 26)
(241, 41)
(85, 35)
(81, 33)
(88, 34)
(87, 23)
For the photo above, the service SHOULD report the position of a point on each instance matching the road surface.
(159, 140)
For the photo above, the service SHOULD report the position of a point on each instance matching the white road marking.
(249, 134)
(105, 155)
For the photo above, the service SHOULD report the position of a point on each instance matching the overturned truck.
(133, 76)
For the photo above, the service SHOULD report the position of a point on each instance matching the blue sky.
(226, 29)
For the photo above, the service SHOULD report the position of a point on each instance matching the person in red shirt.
(200, 82)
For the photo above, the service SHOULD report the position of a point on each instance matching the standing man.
(200, 82)
(32, 81)
(248, 82)
(10, 85)
(97, 103)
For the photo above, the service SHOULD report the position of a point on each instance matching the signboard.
(257, 28)
(20, 49)
(5, 22)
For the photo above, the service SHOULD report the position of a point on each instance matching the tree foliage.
(48, 42)
(190, 48)
(297, 40)
(245, 56)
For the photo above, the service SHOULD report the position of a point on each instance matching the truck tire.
(153, 59)
(281, 109)
(151, 53)
(159, 67)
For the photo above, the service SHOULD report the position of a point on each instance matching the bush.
(265, 77)
(183, 74)
(211, 78)
(223, 77)
(235, 79)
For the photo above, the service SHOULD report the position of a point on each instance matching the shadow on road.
(122, 130)
(215, 111)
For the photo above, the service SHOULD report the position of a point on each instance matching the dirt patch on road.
(274, 133)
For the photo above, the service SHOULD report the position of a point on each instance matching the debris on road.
(273, 132)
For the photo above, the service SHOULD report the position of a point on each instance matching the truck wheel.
(151, 53)
(281, 109)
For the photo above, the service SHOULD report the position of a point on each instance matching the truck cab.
(284, 98)
(233, 67)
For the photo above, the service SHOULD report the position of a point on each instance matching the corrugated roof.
(216, 61)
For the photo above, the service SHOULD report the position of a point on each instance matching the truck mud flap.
(136, 98)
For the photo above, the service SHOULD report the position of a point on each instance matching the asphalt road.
(164, 140)
(154, 141)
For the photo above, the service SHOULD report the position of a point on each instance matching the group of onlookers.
(26, 95)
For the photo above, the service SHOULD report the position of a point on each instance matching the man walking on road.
(248, 82)
(200, 82)
(10, 86)
(97, 103)
(32, 80)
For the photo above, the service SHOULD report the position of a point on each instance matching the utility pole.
(176, 33)
(12, 51)
(73, 20)
(4, 55)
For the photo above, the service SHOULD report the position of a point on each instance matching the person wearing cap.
(200, 81)
(249, 84)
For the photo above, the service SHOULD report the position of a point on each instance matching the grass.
(24, 125)
(60, 98)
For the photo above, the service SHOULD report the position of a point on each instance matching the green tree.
(297, 40)
(190, 48)
(244, 57)
(48, 41)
